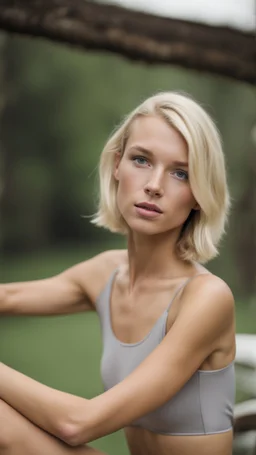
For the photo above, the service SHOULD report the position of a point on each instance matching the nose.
(154, 186)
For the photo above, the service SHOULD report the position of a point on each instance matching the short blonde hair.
(202, 231)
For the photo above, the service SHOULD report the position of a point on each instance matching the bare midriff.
(144, 442)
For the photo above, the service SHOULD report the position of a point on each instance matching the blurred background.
(58, 106)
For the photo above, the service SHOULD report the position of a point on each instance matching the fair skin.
(200, 326)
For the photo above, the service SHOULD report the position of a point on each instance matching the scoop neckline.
(122, 343)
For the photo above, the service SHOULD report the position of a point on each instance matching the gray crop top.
(205, 403)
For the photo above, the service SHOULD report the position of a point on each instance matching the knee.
(6, 426)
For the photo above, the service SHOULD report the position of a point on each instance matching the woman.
(167, 322)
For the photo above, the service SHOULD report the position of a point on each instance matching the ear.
(116, 165)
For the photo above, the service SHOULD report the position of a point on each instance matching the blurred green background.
(58, 107)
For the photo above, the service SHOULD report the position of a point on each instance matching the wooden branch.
(135, 35)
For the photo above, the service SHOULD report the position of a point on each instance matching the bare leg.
(18, 436)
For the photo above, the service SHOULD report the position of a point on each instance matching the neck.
(154, 256)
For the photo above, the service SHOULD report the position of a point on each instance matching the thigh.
(19, 436)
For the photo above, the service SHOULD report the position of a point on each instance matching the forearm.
(72, 419)
(50, 409)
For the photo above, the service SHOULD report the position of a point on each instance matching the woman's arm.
(207, 312)
(48, 408)
(72, 291)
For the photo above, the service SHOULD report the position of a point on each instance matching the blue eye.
(182, 175)
(140, 160)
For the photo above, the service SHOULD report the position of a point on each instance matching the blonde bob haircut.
(202, 231)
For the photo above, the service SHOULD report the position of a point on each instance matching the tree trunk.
(135, 35)
(245, 246)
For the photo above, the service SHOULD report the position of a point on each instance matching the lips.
(148, 206)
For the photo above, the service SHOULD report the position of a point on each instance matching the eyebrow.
(148, 152)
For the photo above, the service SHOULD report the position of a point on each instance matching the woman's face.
(154, 194)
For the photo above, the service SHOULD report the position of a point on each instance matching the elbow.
(81, 427)
(74, 431)
(70, 434)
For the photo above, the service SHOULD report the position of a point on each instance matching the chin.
(145, 227)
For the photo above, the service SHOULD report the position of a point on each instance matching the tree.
(135, 35)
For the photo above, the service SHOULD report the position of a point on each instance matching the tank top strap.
(182, 286)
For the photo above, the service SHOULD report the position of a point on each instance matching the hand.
(3, 368)
(2, 298)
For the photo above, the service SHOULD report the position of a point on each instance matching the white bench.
(245, 412)
(246, 363)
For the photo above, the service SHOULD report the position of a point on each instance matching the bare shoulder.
(93, 274)
(211, 295)
(205, 323)
(208, 282)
